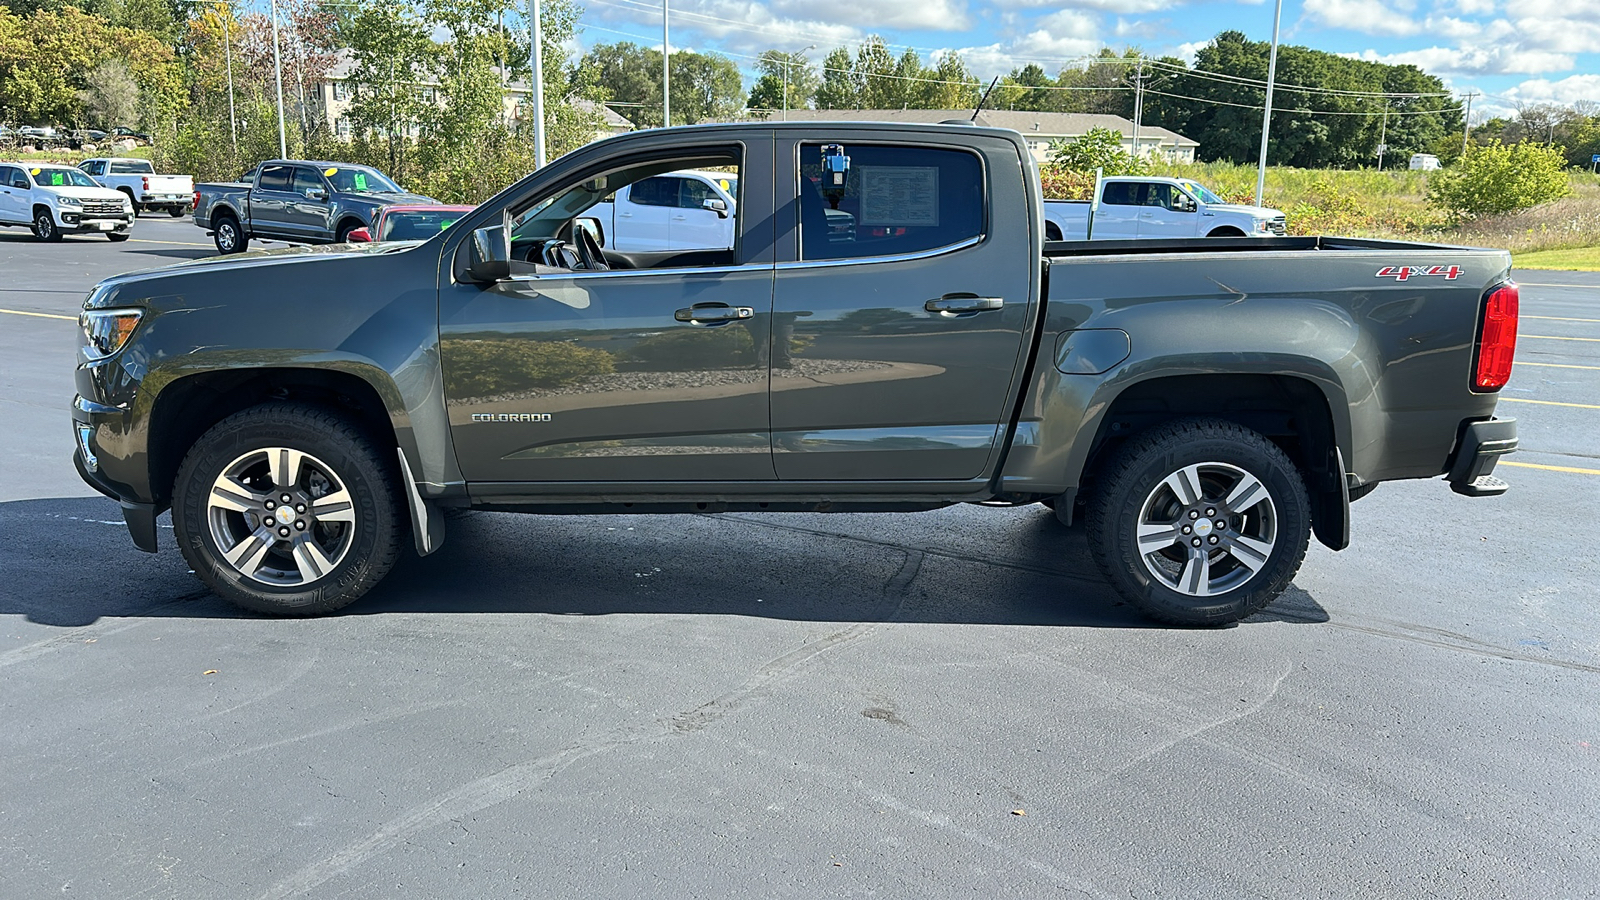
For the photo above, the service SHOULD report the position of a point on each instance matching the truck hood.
(84, 193)
(1260, 212)
(109, 293)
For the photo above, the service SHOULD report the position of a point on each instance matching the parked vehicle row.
(54, 200)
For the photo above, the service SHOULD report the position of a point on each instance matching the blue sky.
(1510, 51)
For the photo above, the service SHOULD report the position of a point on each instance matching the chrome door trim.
(892, 258)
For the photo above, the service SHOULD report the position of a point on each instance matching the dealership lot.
(902, 705)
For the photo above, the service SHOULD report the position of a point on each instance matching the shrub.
(1499, 179)
(716, 348)
(1101, 148)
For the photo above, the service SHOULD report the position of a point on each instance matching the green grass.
(1581, 259)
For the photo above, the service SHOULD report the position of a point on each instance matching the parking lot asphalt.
(945, 704)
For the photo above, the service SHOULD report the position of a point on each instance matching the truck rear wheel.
(228, 236)
(1200, 522)
(288, 510)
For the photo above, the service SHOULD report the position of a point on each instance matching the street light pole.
(1266, 116)
(277, 68)
(536, 87)
(788, 62)
(666, 70)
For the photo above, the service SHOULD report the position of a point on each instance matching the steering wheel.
(559, 254)
(590, 256)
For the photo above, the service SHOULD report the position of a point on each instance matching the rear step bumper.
(1481, 446)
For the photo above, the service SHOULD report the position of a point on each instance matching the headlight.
(1263, 224)
(107, 330)
(68, 201)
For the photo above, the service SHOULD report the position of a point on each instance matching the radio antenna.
(984, 99)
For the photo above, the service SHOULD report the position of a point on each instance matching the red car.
(410, 223)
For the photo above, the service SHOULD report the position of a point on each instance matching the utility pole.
(1466, 130)
(536, 85)
(1138, 105)
(1383, 133)
(1266, 116)
(227, 50)
(666, 70)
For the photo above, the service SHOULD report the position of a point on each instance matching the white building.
(1039, 128)
(334, 93)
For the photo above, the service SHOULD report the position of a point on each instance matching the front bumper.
(104, 463)
(75, 222)
(1480, 447)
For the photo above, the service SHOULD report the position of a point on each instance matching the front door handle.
(951, 304)
(714, 313)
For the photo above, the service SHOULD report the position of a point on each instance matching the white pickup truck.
(683, 210)
(1132, 208)
(137, 179)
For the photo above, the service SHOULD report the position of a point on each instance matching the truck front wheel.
(288, 510)
(1200, 522)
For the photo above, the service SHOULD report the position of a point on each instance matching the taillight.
(196, 198)
(1497, 339)
(145, 184)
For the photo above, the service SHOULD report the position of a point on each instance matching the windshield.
(55, 176)
(359, 180)
(417, 225)
(131, 167)
(1201, 191)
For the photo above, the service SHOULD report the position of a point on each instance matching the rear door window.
(655, 192)
(1122, 193)
(893, 200)
(274, 178)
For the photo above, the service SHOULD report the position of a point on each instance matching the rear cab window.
(130, 167)
(274, 178)
(861, 200)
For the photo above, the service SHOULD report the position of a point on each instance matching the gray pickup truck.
(890, 332)
(306, 202)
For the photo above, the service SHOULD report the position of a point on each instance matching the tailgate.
(169, 184)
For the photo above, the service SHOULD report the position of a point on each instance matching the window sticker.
(361, 181)
(332, 172)
(725, 185)
(899, 196)
(35, 172)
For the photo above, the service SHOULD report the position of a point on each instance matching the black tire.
(1249, 562)
(228, 236)
(44, 226)
(116, 238)
(1226, 232)
(354, 525)
(346, 228)
(176, 211)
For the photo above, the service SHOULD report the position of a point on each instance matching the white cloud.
(1123, 7)
(1466, 7)
(1365, 16)
(869, 15)
(1053, 40)
(1559, 35)
(1186, 52)
(1496, 60)
(1565, 92)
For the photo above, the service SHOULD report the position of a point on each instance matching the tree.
(787, 81)
(1100, 148)
(703, 85)
(840, 89)
(950, 85)
(110, 96)
(1499, 179)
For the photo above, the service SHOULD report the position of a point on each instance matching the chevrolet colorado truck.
(296, 200)
(54, 200)
(1203, 406)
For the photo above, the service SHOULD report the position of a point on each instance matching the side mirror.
(593, 226)
(360, 236)
(489, 254)
(1186, 204)
(317, 194)
(716, 205)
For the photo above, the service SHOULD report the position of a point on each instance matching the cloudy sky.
(1511, 51)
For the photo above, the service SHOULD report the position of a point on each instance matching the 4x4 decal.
(1402, 273)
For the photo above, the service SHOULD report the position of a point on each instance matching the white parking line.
(23, 312)
(1548, 402)
(1560, 319)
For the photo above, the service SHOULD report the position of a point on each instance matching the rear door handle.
(963, 303)
(714, 313)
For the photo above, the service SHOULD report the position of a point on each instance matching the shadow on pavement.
(70, 563)
(175, 253)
